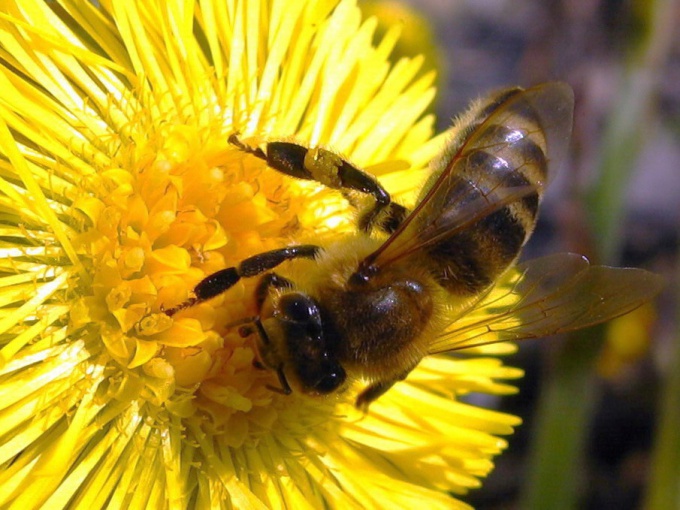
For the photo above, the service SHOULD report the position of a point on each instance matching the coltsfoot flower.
(120, 192)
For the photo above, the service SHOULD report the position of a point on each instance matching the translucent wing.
(547, 296)
(509, 153)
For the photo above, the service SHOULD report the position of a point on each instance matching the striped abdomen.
(487, 194)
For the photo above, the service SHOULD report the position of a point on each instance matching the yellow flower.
(120, 192)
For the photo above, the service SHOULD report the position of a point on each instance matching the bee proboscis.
(438, 278)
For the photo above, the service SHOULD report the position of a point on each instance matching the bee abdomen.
(520, 166)
(509, 158)
(471, 259)
(516, 150)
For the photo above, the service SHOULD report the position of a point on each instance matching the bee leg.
(329, 169)
(267, 282)
(371, 393)
(377, 389)
(393, 217)
(285, 388)
(223, 280)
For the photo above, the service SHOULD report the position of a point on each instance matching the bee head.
(296, 333)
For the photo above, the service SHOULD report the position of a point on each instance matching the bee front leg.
(270, 280)
(285, 388)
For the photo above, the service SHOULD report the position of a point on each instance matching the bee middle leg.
(221, 281)
(377, 389)
(334, 172)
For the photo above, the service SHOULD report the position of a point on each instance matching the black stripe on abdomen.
(470, 260)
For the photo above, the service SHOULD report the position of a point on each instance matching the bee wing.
(494, 169)
(547, 296)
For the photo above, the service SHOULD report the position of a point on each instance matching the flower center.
(175, 209)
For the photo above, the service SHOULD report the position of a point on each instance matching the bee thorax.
(382, 325)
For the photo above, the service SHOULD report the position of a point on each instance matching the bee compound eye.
(331, 380)
(297, 307)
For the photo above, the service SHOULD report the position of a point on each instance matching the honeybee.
(438, 278)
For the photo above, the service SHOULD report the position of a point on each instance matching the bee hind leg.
(331, 170)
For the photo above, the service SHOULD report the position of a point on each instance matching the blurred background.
(601, 413)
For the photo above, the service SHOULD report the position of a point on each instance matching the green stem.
(628, 125)
(663, 491)
(562, 423)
